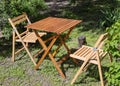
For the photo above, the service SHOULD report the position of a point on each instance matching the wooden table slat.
(53, 24)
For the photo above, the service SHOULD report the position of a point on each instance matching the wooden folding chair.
(91, 55)
(24, 37)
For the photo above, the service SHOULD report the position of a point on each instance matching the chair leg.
(110, 55)
(85, 68)
(75, 61)
(13, 48)
(79, 71)
(100, 73)
(75, 77)
(100, 70)
(82, 67)
(28, 52)
(26, 44)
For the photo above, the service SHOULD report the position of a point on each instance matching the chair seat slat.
(81, 50)
(30, 37)
(88, 50)
(84, 52)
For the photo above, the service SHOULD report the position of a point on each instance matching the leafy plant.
(110, 13)
(113, 75)
(109, 17)
(12, 8)
(112, 46)
(113, 42)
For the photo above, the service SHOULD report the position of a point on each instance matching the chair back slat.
(100, 42)
(22, 34)
(19, 19)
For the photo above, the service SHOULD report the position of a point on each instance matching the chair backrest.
(17, 20)
(100, 42)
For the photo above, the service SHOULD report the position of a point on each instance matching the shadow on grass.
(91, 72)
(5, 47)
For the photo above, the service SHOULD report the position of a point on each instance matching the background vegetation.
(113, 47)
(12, 8)
(97, 15)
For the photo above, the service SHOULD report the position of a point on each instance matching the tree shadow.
(5, 47)
(87, 10)
(92, 72)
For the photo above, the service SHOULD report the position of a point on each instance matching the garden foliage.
(111, 20)
(113, 75)
(113, 43)
(110, 13)
(12, 8)
(113, 47)
(109, 17)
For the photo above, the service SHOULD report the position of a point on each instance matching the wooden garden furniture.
(56, 26)
(90, 55)
(24, 37)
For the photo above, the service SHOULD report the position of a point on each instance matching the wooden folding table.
(56, 26)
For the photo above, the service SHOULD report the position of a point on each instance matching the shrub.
(113, 42)
(113, 47)
(109, 17)
(11, 8)
(113, 75)
(110, 13)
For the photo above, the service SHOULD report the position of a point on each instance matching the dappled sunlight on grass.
(22, 73)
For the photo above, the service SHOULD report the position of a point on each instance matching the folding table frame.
(56, 26)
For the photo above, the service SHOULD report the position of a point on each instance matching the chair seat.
(31, 37)
(85, 51)
(91, 55)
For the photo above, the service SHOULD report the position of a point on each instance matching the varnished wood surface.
(53, 24)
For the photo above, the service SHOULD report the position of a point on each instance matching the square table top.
(53, 24)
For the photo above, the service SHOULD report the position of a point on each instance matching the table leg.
(47, 49)
(62, 40)
(56, 65)
(67, 35)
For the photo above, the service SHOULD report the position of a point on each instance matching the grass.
(22, 73)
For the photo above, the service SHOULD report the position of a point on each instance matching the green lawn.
(22, 73)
